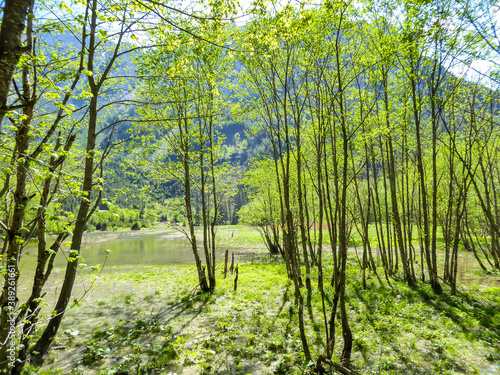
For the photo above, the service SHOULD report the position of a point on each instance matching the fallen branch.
(336, 366)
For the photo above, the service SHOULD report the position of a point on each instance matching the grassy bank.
(149, 320)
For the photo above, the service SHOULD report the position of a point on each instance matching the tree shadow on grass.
(185, 307)
(486, 313)
(284, 300)
(387, 334)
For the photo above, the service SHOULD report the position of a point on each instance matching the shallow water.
(467, 270)
(467, 266)
(491, 370)
(168, 246)
(156, 247)
(146, 247)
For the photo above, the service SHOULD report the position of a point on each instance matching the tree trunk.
(11, 49)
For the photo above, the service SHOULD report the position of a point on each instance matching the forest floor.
(153, 320)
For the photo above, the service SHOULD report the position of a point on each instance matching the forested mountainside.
(139, 200)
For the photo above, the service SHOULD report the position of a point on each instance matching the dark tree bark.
(11, 48)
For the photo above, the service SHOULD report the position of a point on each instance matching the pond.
(167, 246)
(145, 247)
(151, 247)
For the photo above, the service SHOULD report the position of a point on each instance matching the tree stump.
(226, 256)
(236, 278)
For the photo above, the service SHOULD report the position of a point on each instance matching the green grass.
(156, 323)
(152, 319)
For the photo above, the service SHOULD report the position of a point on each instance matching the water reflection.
(149, 247)
(168, 246)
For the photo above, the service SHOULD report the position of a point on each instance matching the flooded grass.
(151, 319)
